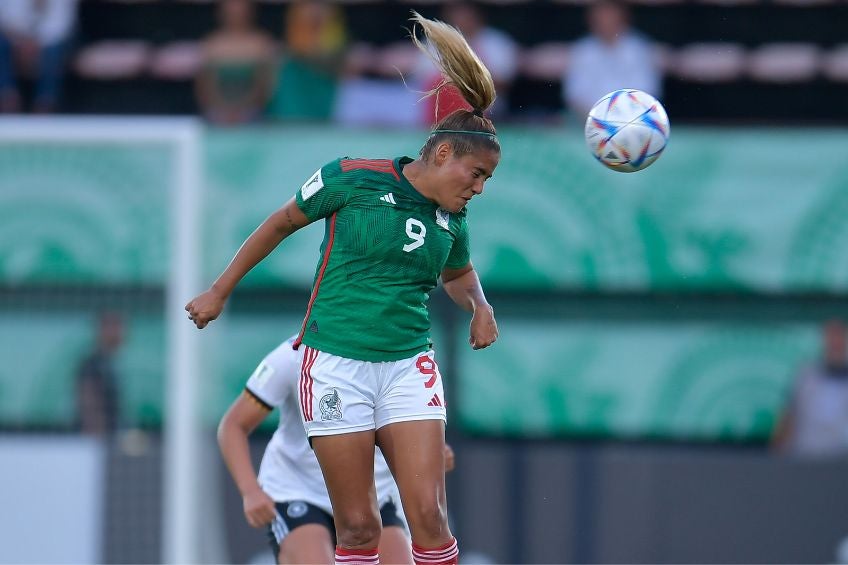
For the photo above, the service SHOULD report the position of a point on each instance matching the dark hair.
(465, 130)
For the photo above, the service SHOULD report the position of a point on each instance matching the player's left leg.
(347, 463)
(415, 453)
(410, 417)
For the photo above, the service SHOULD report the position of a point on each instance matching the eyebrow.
(483, 171)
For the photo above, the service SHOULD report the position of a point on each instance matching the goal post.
(182, 138)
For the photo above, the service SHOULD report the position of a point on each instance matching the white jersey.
(289, 469)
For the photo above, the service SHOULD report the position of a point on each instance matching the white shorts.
(340, 395)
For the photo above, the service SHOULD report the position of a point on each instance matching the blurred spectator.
(495, 48)
(815, 422)
(311, 62)
(97, 380)
(34, 44)
(612, 56)
(235, 82)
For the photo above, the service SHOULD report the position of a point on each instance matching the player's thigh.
(302, 533)
(347, 463)
(414, 451)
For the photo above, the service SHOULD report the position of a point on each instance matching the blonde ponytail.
(457, 62)
(466, 130)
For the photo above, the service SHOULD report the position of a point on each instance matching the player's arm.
(278, 226)
(235, 427)
(463, 286)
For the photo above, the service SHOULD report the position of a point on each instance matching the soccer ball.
(627, 130)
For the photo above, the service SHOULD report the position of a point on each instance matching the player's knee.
(357, 530)
(430, 517)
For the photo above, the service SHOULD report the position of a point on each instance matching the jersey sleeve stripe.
(330, 238)
(376, 165)
(256, 398)
(356, 163)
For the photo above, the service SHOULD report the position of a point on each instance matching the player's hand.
(450, 459)
(204, 308)
(484, 328)
(259, 509)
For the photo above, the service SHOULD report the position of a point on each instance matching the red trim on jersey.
(377, 165)
(323, 268)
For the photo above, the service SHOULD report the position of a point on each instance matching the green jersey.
(384, 248)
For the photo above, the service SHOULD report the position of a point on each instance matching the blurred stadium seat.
(111, 60)
(179, 60)
(805, 3)
(573, 2)
(728, 2)
(784, 62)
(504, 2)
(709, 62)
(656, 2)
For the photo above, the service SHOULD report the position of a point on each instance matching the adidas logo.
(390, 198)
(435, 401)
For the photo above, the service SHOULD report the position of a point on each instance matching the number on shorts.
(428, 368)
(417, 236)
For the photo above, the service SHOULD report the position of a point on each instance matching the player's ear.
(442, 153)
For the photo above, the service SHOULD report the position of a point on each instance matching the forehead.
(486, 159)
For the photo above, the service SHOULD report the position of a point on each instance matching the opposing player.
(289, 496)
(368, 372)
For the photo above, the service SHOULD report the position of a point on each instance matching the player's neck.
(414, 173)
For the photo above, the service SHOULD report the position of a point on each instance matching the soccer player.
(289, 496)
(368, 373)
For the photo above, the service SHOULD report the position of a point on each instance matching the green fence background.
(723, 211)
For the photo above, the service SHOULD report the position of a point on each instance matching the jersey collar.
(399, 164)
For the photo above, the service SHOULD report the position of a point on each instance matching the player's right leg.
(410, 418)
(302, 533)
(337, 404)
(347, 463)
